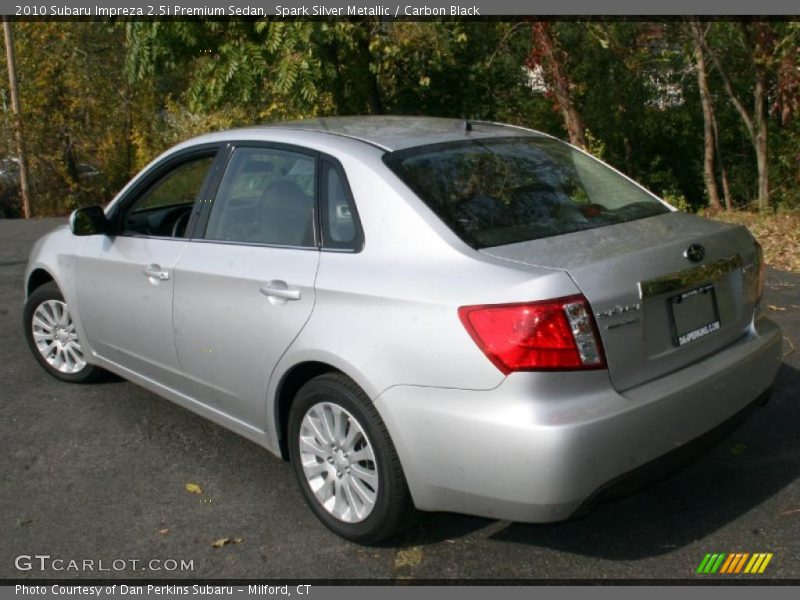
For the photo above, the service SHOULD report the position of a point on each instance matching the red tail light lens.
(553, 335)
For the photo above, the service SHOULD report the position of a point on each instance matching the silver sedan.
(428, 314)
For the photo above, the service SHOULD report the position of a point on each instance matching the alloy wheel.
(55, 337)
(338, 462)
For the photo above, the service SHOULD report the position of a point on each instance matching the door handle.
(155, 272)
(279, 290)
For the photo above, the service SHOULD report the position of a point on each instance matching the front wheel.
(345, 462)
(52, 337)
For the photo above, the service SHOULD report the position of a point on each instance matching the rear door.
(244, 286)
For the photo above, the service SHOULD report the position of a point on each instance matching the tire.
(329, 469)
(48, 323)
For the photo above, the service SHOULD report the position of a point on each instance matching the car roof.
(399, 132)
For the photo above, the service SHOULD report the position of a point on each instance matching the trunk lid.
(656, 310)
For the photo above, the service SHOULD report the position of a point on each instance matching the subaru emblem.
(695, 253)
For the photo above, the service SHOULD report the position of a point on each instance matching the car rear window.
(498, 191)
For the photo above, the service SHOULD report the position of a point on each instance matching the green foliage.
(116, 95)
(677, 200)
(77, 109)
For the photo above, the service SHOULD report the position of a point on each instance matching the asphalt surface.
(99, 472)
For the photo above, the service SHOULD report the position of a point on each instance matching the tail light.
(762, 273)
(536, 336)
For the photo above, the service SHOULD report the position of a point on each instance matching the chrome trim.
(679, 280)
(252, 244)
(618, 310)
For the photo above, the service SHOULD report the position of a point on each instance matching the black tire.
(39, 296)
(393, 510)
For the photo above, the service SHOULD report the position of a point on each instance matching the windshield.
(498, 191)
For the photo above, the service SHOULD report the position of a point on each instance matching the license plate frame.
(694, 314)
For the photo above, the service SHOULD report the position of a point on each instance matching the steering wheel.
(179, 226)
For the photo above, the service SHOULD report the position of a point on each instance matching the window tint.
(266, 197)
(339, 226)
(505, 190)
(168, 202)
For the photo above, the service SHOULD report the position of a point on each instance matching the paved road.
(99, 472)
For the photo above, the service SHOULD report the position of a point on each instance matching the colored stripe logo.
(735, 563)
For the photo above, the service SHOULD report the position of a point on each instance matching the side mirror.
(89, 220)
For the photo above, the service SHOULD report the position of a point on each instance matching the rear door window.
(267, 196)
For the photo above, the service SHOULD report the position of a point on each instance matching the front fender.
(56, 253)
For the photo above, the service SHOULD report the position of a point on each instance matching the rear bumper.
(541, 445)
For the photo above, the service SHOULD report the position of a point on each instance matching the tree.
(633, 92)
(710, 144)
(12, 84)
(78, 109)
(547, 54)
(758, 42)
(268, 68)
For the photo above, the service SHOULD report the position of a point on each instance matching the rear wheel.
(51, 334)
(345, 462)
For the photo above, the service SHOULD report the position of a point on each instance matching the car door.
(126, 279)
(244, 288)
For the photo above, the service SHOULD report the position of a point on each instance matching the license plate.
(694, 314)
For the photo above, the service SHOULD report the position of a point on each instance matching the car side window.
(266, 196)
(340, 228)
(164, 209)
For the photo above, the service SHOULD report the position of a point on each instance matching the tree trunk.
(373, 90)
(760, 141)
(331, 53)
(723, 171)
(12, 84)
(709, 139)
(552, 61)
(755, 121)
(726, 190)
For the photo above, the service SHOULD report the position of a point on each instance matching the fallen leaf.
(776, 308)
(225, 541)
(408, 558)
(779, 235)
(194, 488)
